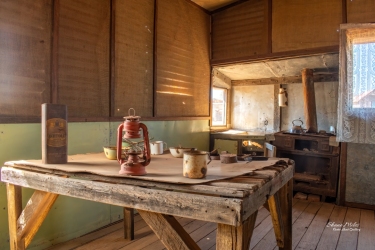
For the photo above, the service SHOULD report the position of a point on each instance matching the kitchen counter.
(239, 135)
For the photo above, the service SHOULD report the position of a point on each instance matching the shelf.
(307, 177)
(307, 153)
(306, 188)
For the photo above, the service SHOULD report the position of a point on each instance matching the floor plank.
(262, 229)
(303, 222)
(348, 240)
(313, 233)
(151, 241)
(95, 235)
(331, 232)
(269, 241)
(366, 225)
(313, 224)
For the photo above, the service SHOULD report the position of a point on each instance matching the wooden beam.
(277, 55)
(220, 80)
(343, 162)
(14, 197)
(54, 52)
(309, 101)
(186, 205)
(203, 189)
(236, 238)
(128, 223)
(269, 27)
(112, 59)
(330, 77)
(344, 11)
(155, 57)
(34, 214)
(359, 205)
(169, 231)
(286, 199)
(36, 119)
(276, 215)
(268, 189)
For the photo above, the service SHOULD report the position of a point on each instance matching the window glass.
(219, 107)
(364, 75)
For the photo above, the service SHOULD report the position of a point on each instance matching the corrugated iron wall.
(241, 31)
(182, 60)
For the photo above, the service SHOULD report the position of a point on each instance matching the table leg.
(235, 238)
(128, 223)
(23, 224)
(14, 196)
(286, 198)
(169, 231)
(275, 210)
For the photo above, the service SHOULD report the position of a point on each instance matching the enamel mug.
(156, 147)
(195, 164)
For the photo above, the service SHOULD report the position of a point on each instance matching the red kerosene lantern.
(136, 158)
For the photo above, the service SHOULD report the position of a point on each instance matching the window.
(219, 107)
(364, 75)
(356, 104)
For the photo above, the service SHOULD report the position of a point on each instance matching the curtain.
(356, 105)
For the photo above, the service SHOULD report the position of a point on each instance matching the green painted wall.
(226, 145)
(70, 217)
(360, 174)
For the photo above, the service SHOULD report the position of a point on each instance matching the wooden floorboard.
(268, 242)
(330, 236)
(366, 236)
(316, 225)
(313, 233)
(347, 239)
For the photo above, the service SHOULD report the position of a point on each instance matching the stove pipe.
(309, 101)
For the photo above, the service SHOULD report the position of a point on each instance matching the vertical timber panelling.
(241, 30)
(361, 11)
(182, 60)
(25, 42)
(298, 25)
(83, 56)
(134, 38)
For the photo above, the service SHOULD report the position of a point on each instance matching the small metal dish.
(244, 157)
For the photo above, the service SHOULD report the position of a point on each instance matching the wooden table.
(232, 203)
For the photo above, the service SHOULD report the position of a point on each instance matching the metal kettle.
(297, 129)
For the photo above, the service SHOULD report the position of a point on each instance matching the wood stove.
(316, 161)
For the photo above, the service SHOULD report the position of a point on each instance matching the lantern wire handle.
(129, 111)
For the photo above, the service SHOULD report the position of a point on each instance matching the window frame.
(227, 102)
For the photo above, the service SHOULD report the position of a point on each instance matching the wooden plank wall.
(295, 28)
(98, 58)
(25, 44)
(300, 25)
(134, 39)
(241, 31)
(182, 80)
(83, 57)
